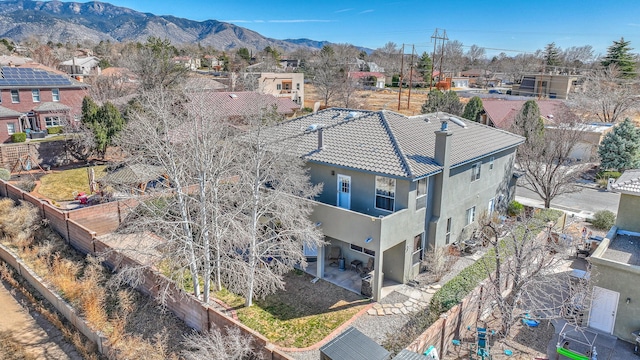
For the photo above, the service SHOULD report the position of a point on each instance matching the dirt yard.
(386, 99)
(25, 334)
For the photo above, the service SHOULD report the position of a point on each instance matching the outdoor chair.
(334, 255)
(369, 268)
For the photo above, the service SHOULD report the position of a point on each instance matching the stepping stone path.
(405, 308)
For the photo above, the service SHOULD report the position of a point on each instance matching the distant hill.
(63, 22)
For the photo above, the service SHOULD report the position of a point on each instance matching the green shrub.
(515, 208)
(603, 220)
(26, 185)
(605, 175)
(54, 130)
(19, 137)
(5, 174)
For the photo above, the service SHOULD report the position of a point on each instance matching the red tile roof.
(502, 113)
(364, 74)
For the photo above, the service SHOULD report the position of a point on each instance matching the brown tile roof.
(386, 142)
(502, 113)
(242, 103)
(628, 183)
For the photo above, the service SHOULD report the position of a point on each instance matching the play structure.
(577, 343)
(26, 163)
(479, 348)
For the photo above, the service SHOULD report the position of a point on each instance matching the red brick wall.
(72, 97)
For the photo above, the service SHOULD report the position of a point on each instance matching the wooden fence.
(76, 227)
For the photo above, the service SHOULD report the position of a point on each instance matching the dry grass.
(84, 283)
(302, 314)
(63, 185)
(10, 348)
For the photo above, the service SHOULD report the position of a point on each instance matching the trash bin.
(341, 264)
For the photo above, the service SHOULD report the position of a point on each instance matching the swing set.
(571, 334)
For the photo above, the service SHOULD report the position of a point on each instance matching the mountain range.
(74, 22)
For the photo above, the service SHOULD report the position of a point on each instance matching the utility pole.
(400, 79)
(436, 36)
(413, 48)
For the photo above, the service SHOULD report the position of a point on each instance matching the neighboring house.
(502, 113)
(43, 98)
(395, 185)
(189, 62)
(10, 60)
(545, 86)
(368, 78)
(362, 65)
(80, 67)
(213, 63)
(615, 266)
(237, 105)
(458, 82)
(283, 85)
(289, 65)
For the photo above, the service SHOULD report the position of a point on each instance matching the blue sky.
(500, 25)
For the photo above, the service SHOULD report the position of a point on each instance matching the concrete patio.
(348, 278)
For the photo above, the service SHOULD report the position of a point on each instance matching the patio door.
(604, 306)
(344, 191)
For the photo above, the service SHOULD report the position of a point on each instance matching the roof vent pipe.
(320, 139)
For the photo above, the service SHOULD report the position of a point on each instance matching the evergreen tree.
(619, 55)
(105, 122)
(528, 122)
(473, 109)
(552, 55)
(89, 110)
(244, 54)
(448, 102)
(424, 67)
(620, 148)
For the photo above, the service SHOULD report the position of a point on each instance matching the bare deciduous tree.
(274, 198)
(215, 345)
(606, 97)
(525, 275)
(545, 157)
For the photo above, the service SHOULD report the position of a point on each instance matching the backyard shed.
(353, 345)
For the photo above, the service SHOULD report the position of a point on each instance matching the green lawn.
(60, 185)
(302, 314)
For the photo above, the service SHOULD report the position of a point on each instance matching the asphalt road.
(584, 203)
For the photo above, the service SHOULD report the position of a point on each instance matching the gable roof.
(52, 106)
(502, 113)
(628, 183)
(81, 61)
(5, 112)
(385, 142)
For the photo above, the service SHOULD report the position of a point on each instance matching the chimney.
(320, 139)
(443, 145)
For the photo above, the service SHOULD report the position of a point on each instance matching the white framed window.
(35, 95)
(422, 187)
(51, 121)
(491, 160)
(475, 171)
(385, 193)
(278, 86)
(15, 96)
(447, 237)
(11, 128)
(471, 215)
(55, 94)
(417, 249)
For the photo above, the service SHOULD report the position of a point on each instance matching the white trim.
(375, 195)
(338, 191)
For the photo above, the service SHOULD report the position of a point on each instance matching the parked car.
(495, 91)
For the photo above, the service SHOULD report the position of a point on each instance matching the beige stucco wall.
(628, 217)
(621, 278)
(268, 84)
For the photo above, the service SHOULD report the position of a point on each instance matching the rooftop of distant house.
(503, 112)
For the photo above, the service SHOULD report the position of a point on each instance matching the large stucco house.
(394, 185)
(615, 305)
